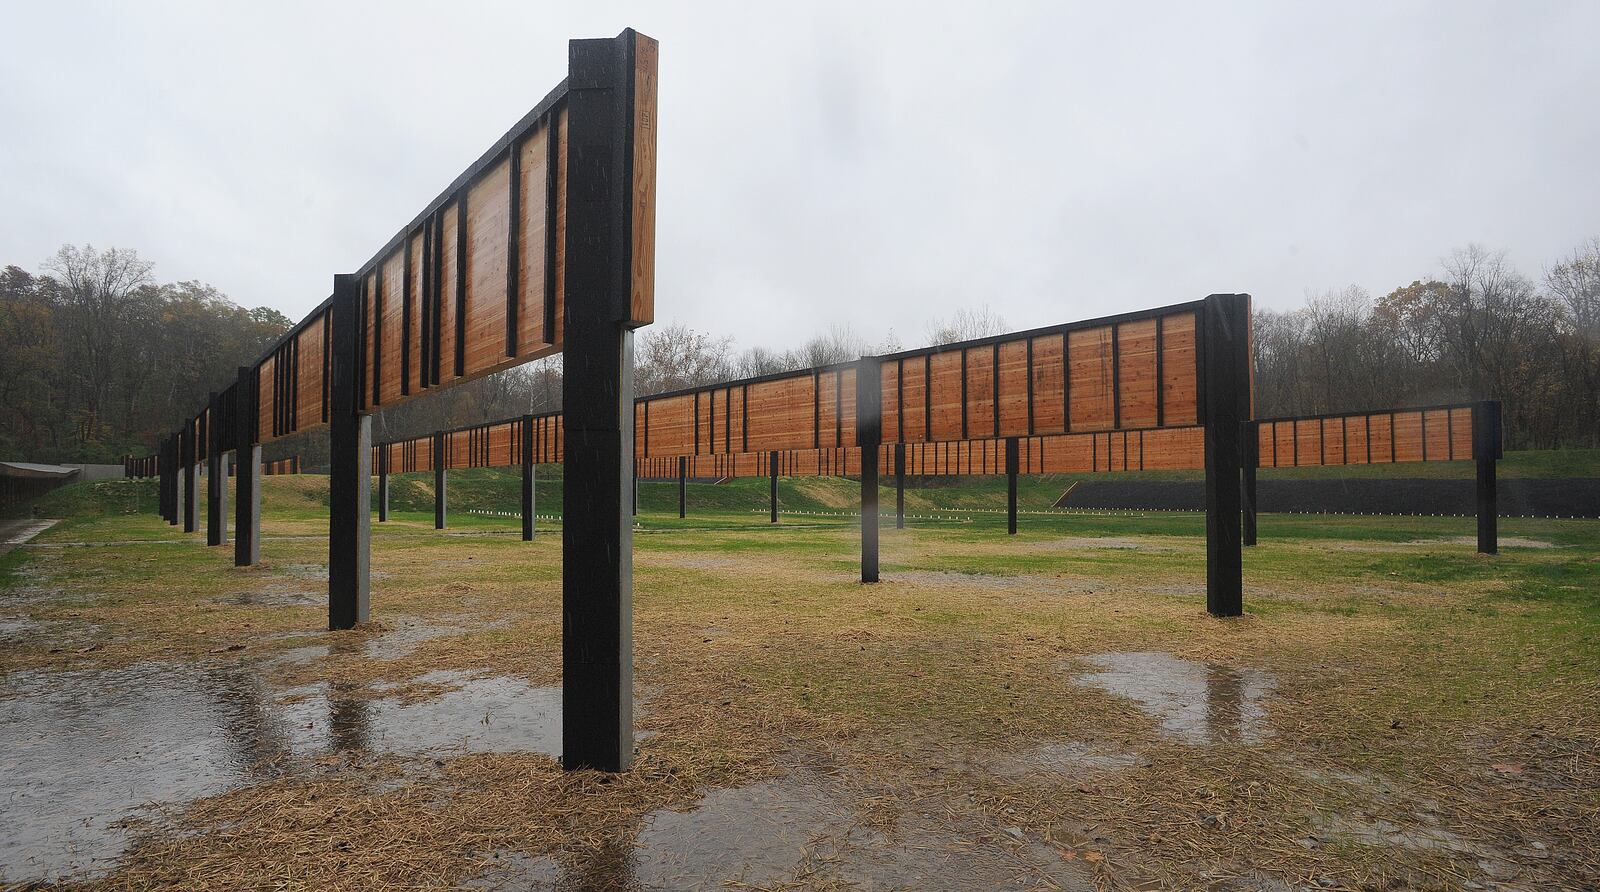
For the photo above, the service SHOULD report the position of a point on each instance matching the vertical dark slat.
(461, 280)
(1394, 441)
(1322, 441)
(405, 316)
(1066, 385)
(1422, 418)
(1294, 440)
(1449, 435)
(513, 250)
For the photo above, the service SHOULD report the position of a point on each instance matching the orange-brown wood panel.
(1089, 359)
(889, 399)
(913, 400)
(1460, 434)
(562, 156)
(447, 293)
(1180, 393)
(310, 383)
(1382, 435)
(1264, 434)
(488, 236)
(414, 299)
(1408, 436)
(1308, 443)
(1013, 389)
(1436, 444)
(646, 58)
(1136, 352)
(532, 211)
(980, 392)
(393, 328)
(781, 413)
(1334, 441)
(1047, 378)
(945, 382)
(827, 409)
(264, 414)
(847, 407)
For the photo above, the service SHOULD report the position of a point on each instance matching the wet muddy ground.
(959, 729)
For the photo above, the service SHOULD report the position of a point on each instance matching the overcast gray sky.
(831, 162)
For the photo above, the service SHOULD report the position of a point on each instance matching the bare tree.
(96, 297)
(675, 356)
(965, 325)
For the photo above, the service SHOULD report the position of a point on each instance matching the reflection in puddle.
(85, 750)
(1196, 702)
(803, 829)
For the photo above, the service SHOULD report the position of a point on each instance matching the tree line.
(1479, 329)
(101, 360)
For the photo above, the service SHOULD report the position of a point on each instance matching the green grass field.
(1050, 710)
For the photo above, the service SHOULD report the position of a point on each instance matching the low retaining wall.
(1572, 497)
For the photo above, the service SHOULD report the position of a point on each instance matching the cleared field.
(1050, 710)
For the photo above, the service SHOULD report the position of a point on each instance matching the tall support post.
(772, 485)
(1487, 446)
(635, 492)
(528, 472)
(899, 486)
(216, 478)
(191, 488)
(1252, 460)
(609, 291)
(1012, 461)
(683, 486)
(439, 516)
(247, 477)
(349, 466)
(869, 436)
(1225, 407)
(383, 483)
(164, 460)
(175, 485)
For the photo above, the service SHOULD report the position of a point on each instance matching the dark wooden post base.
(1225, 402)
(349, 468)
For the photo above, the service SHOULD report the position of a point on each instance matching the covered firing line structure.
(545, 245)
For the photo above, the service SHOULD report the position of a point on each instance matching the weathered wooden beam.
(349, 467)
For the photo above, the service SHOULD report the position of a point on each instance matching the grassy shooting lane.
(1050, 710)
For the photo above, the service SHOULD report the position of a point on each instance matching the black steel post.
(604, 303)
(383, 483)
(772, 469)
(1487, 446)
(191, 487)
(439, 516)
(349, 466)
(216, 477)
(1225, 406)
(899, 486)
(869, 436)
(247, 455)
(683, 487)
(168, 478)
(1012, 460)
(528, 479)
(1252, 460)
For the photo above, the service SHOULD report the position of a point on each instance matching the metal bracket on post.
(609, 291)
(1487, 446)
(869, 436)
(1252, 459)
(1012, 460)
(247, 455)
(349, 466)
(528, 479)
(1225, 407)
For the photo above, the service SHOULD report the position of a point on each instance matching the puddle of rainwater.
(480, 715)
(85, 750)
(1196, 703)
(797, 828)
